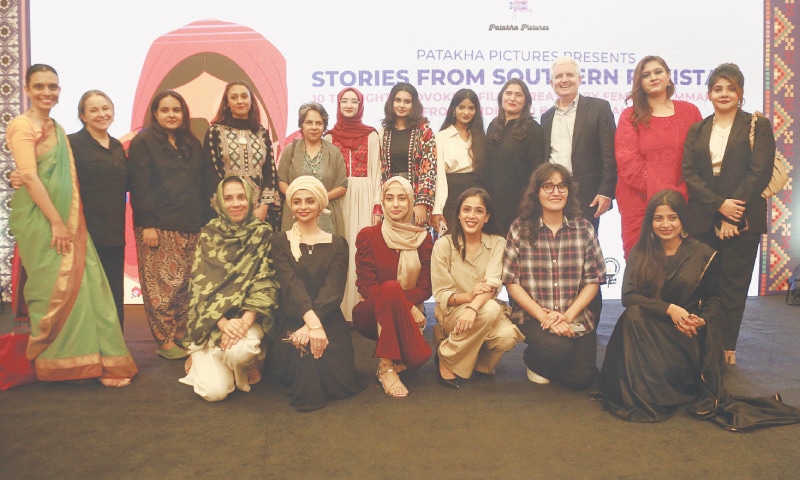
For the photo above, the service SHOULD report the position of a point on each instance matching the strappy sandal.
(395, 389)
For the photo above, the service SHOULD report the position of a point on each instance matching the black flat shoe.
(450, 382)
(447, 382)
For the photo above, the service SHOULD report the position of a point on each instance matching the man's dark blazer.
(594, 166)
(744, 175)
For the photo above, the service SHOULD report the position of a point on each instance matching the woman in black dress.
(515, 149)
(313, 355)
(666, 349)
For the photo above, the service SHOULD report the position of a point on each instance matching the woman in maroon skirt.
(393, 270)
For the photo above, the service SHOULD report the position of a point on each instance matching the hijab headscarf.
(403, 236)
(232, 271)
(350, 132)
(313, 185)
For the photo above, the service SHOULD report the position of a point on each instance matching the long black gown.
(651, 369)
(315, 282)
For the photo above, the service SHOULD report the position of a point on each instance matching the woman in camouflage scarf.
(233, 292)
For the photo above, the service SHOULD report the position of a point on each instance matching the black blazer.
(744, 175)
(594, 166)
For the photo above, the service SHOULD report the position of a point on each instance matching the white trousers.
(215, 372)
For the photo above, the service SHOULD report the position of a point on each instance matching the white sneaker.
(535, 377)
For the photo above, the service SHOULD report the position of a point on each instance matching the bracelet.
(315, 328)
(472, 308)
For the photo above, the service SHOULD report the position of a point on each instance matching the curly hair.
(530, 209)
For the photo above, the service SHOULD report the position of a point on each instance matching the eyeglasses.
(550, 187)
(349, 102)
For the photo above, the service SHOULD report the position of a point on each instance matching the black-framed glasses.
(549, 187)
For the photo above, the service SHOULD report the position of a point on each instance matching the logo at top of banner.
(517, 11)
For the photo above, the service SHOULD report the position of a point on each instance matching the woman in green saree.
(233, 292)
(75, 333)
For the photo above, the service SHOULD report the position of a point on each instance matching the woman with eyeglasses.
(360, 147)
(553, 268)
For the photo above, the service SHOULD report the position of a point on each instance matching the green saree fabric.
(75, 333)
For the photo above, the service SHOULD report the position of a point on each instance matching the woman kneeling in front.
(315, 358)
(466, 267)
(233, 293)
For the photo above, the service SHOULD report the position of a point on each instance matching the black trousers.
(569, 361)
(736, 257)
(113, 261)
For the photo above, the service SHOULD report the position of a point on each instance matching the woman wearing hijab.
(233, 295)
(393, 269)
(315, 358)
(361, 150)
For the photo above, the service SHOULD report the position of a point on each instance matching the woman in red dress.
(393, 270)
(649, 144)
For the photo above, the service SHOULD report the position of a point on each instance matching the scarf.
(350, 132)
(404, 236)
(231, 273)
(313, 185)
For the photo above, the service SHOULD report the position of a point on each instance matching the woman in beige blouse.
(466, 267)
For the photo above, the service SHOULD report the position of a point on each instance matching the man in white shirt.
(579, 134)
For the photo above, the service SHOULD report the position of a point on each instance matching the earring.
(652, 235)
(684, 234)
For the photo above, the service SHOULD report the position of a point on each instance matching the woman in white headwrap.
(313, 353)
(393, 270)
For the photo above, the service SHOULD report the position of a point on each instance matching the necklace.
(309, 245)
(313, 165)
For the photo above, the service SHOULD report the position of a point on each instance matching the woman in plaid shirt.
(553, 268)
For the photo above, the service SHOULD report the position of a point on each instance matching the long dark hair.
(530, 209)
(224, 114)
(520, 129)
(642, 111)
(183, 135)
(647, 260)
(456, 231)
(478, 150)
(415, 118)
